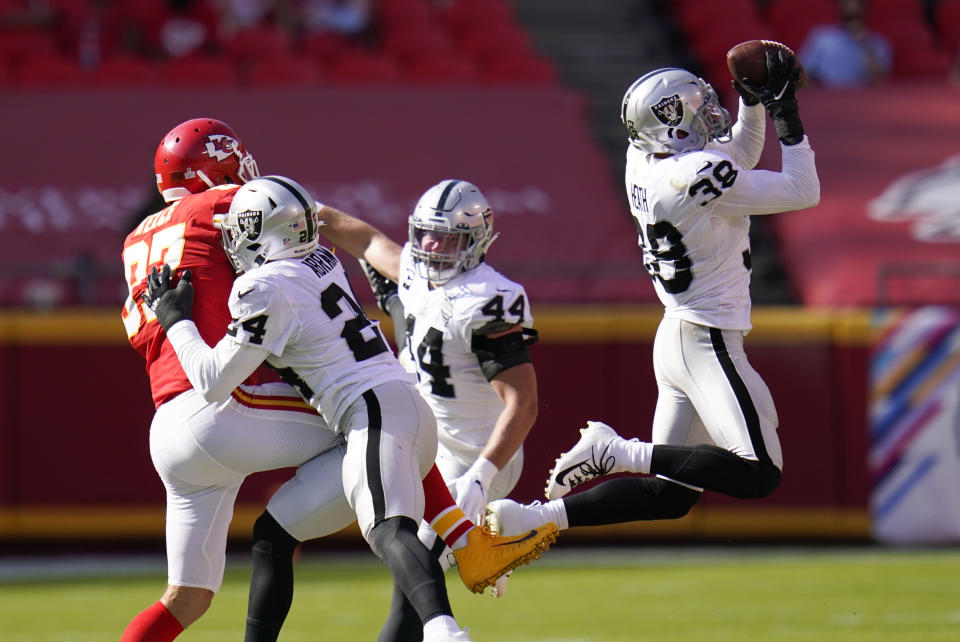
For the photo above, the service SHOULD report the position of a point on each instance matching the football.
(748, 60)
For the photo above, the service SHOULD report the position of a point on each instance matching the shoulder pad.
(251, 294)
(499, 304)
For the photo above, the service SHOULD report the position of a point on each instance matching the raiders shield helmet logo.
(669, 111)
(251, 222)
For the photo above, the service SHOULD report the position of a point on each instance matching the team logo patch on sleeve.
(669, 111)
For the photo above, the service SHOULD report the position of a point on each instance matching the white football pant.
(203, 451)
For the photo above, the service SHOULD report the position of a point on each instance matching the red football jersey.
(181, 235)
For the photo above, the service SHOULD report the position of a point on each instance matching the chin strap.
(204, 178)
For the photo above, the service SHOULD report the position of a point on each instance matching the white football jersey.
(444, 321)
(692, 213)
(305, 314)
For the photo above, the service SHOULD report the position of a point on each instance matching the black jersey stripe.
(307, 209)
(374, 478)
(438, 547)
(442, 202)
(744, 400)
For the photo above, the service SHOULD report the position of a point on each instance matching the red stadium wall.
(76, 411)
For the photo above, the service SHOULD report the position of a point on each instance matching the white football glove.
(470, 488)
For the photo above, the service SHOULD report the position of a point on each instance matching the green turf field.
(571, 595)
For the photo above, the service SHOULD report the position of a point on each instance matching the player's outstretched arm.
(362, 240)
(517, 387)
(797, 185)
(213, 372)
(778, 95)
(388, 298)
(747, 136)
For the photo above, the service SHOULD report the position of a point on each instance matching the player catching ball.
(692, 188)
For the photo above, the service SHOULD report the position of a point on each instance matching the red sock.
(440, 511)
(153, 624)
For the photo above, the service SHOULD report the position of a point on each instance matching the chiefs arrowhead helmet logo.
(221, 146)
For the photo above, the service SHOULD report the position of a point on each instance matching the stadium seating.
(415, 41)
(17, 45)
(364, 68)
(496, 42)
(283, 70)
(128, 71)
(249, 45)
(324, 47)
(530, 70)
(701, 18)
(948, 21)
(399, 15)
(410, 46)
(466, 16)
(48, 71)
(710, 29)
(792, 20)
(448, 69)
(916, 52)
(200, 71)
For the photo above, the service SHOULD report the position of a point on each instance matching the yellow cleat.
(488, 556)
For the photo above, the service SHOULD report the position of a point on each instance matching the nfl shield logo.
(669, 111)
(251, 223)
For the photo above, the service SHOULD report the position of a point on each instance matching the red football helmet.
(198, 154)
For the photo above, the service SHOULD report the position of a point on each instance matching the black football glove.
(389, 301)
(779, 95)
(170, 304)
(749, 99)
(383, 288)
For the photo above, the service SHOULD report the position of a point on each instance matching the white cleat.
(588, 459)
(509, 518)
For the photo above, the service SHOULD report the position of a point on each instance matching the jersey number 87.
(165, 246)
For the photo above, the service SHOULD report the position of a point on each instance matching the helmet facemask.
(453, 251)
(451, 229)
(235, 239)
(712, 120)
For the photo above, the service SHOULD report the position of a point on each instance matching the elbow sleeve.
(504, 352)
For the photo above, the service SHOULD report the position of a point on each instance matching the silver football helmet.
(450, 230)
(669, 111)
(270, 218)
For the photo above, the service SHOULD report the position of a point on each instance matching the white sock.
(633, 456)
(555, 511)
(429, 537)
(438, 625)
(461, 541)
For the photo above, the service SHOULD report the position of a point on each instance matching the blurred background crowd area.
(593, 48)
(275, 42)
